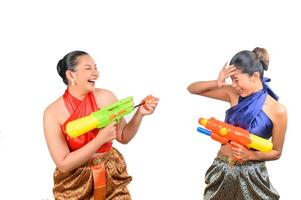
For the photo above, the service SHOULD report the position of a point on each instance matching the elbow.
(62, 167)
(123, 141)
(189, 88)
(277, 155)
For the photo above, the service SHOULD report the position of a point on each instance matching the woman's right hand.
(108, 133)
(224, 74)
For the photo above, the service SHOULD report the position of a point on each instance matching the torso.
(103, 98)
(269, 108)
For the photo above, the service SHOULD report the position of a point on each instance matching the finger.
(230, 69)
(225, 65)
(113, 123)
(231, 73)
(234, 149)
(152, 104)
(238, 158)
(236, 144)
(149, 108)
(150, 99)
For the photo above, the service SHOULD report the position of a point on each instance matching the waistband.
(227, 159)
(97, 160)
(231, 161)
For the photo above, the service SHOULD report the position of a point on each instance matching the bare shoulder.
(279, 109)
(55, 109)
(275, 110)
(104, 97)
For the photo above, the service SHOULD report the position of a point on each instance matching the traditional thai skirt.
(227, 179)
(103, 178)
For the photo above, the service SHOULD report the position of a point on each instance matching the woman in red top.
(87, 166)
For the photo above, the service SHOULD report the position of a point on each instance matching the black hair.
(251, 61)
(68, 62)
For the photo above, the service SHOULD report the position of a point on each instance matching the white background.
(141, 47)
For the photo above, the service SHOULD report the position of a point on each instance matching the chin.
(245, 94)
(89, 88)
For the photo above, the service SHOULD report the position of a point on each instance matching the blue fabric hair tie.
(269, 90)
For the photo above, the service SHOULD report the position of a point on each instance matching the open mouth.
(91, 82)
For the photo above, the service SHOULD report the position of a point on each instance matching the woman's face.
(86, 73)
(242, 83)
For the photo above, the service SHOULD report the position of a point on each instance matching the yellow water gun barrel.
(260, 144)
(100, 118)
(82, 125)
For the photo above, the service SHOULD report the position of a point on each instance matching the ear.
(255, 76)
(70, 75)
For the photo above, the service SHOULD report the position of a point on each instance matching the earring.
(72, 82)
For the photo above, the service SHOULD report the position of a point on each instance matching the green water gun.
(103, 117)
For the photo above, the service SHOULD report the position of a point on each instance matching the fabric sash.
(77, 109)
(248, 108)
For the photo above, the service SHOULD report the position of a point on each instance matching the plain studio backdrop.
(141, 47)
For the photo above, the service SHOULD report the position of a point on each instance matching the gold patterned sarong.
(227, 179)
(79, 183)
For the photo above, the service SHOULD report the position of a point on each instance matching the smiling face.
(244, 84)
(86, 73)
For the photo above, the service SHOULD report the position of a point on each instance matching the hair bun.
(60, 67)
(263, 55)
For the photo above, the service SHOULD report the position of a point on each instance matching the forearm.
(77, 158)
(263, 156)
(131, 128)
(202, 86)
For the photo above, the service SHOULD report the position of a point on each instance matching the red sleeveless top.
(77, 109)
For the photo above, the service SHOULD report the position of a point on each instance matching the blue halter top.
(248, 113)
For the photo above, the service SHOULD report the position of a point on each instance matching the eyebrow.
(89, 65)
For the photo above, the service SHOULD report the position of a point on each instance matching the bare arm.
(127, 131)
(210, 89)
(64, 159)
(278, 136)
(216, 89)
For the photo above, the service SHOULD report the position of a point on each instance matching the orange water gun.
(224, 133)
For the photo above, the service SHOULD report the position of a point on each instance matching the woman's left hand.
(149, 105)
(241, 153)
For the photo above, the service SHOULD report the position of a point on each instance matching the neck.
(77, 92)
(258, 86)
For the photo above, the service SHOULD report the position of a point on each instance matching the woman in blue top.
(254, 107)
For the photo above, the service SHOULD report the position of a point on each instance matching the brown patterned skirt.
(229, 180)
(79, 183)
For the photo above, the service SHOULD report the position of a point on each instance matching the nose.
(95, 72)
